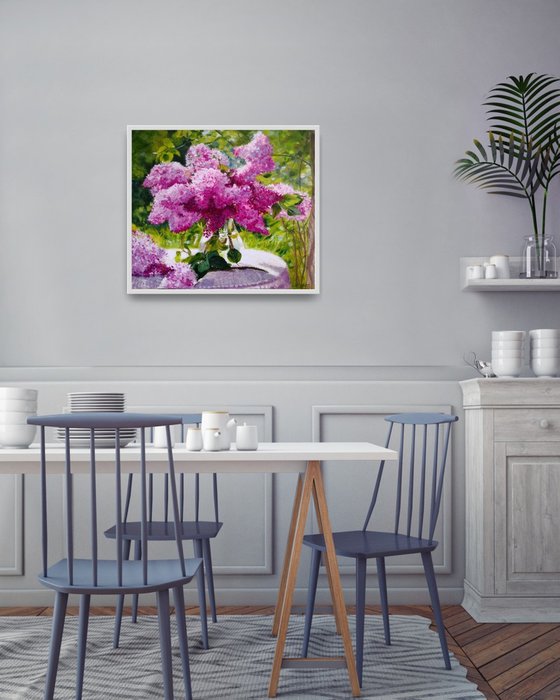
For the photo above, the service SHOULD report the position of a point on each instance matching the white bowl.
(508, 335)
(545, 353)
(507, 343)
(14, 392)
(510, 367)
(545, 344)
(546, 367)
(543, 333)
(17, 435)
(498, 347)
(506, 353)
(15, 417)
(18, 405)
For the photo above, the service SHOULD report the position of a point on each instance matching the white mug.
(160, 436)
(490, 271)
(247, 437)
(475, 272)
(193, 442)
(212, 439)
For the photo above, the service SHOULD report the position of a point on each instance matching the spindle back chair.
(423, 446)
(94, 576)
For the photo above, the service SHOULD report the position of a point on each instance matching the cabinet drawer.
(527, 424)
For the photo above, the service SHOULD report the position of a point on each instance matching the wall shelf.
(513, 284)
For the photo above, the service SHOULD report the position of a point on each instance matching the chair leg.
(361, 566)
(137, 557)
(179, 601)
(60, 603)
(311, 592)
(82, 642)
(382, 581)
(120, 602)
(165, 643)
(209, 577)
(201, 595)
(434, 597)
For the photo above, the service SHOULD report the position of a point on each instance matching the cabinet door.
(527, 525)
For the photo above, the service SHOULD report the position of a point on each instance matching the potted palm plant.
(521, 157)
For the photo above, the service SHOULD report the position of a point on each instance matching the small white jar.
(193, 441)
(247, 437)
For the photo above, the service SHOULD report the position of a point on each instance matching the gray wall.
(395, 86)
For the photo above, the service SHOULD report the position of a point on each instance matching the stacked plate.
(15, 406)
(507, 353)
(545, 352)
(95, 402)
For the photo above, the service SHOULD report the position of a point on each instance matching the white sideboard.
(512, 500)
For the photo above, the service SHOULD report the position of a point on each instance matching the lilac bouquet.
(215, 190)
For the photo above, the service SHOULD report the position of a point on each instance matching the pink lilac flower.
(171, 205)
(164, 175)
(206, 190)
(202, 156)
(211, 189)
(257, 155)
(304, 206)
(180, 276)
(147, 257)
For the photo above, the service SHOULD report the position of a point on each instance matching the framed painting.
(223, 209)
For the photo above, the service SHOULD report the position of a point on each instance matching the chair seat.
(356, 543)
(162, 574)
(161, 530)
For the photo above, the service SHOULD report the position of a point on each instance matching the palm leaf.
(527, 106)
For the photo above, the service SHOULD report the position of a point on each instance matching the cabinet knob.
(544, 423)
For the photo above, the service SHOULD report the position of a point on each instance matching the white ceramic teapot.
(220, 420)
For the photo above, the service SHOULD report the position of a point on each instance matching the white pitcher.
(220, 420)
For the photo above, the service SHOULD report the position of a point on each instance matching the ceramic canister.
(247, 437)
(193, 441)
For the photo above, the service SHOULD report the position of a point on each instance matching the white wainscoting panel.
(11, 525)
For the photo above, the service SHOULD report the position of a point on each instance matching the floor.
(506, 661)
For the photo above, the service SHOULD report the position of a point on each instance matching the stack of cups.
(507, 353)
(15, 406)
(545, 352)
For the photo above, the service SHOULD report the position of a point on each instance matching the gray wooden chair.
(162, 529)
(94, 576)
(365, 544)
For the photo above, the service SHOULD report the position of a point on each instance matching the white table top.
(270, 457)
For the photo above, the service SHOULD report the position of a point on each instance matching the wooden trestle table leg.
(287, 556)
(312, 486)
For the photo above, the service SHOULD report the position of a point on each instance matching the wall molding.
(15, 496)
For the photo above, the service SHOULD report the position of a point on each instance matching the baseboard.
(506, 608)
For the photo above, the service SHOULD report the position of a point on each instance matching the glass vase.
(538, 258)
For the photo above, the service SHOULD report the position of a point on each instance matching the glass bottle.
(538, 259)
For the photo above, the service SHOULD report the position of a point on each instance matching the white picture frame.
(290, 234)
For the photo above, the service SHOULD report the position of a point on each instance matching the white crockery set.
(545, 352)
(218, 431)
(16, 405)
(508, 352)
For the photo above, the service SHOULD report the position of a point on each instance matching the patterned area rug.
(237, 665)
